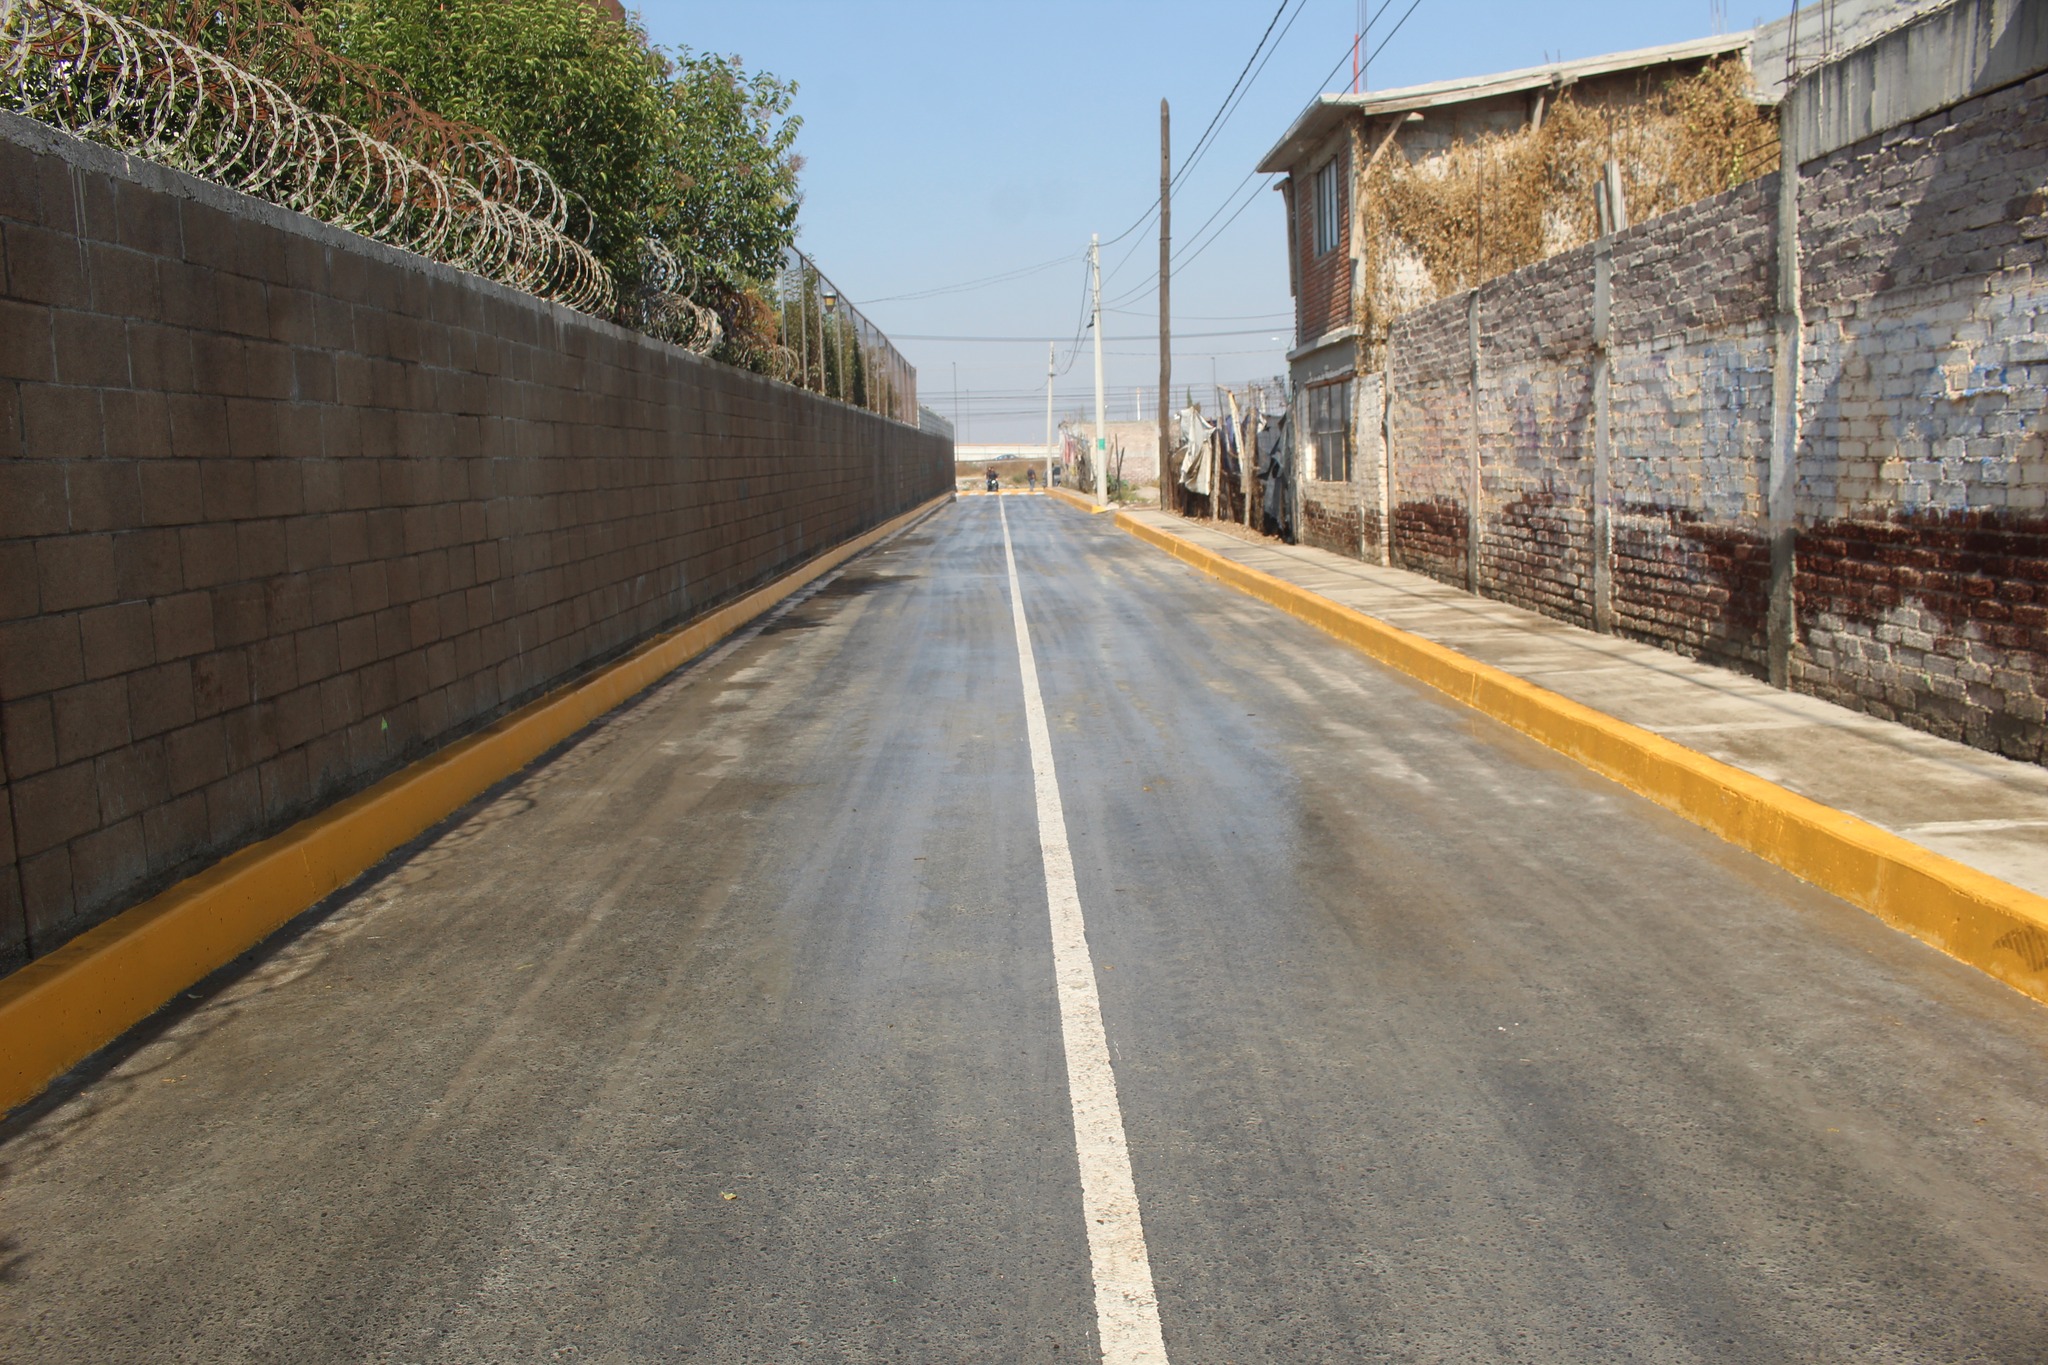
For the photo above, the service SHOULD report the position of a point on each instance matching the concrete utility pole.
(1101, 426)
(1049, 348)
(1169, 496)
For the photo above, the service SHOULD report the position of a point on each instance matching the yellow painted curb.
(1073, 499)
(61, 1008)
(1992, 925)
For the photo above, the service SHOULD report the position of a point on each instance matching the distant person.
(1031, 478)
(995, 480)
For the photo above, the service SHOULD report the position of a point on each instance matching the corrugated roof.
(1327, 111)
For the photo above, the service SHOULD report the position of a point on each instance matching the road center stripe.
(1126, 1308)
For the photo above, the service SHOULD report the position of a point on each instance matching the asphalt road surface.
(754, 1026)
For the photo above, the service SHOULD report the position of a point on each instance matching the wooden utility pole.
(1169, 494)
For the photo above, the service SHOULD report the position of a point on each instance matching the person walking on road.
(1031, 479)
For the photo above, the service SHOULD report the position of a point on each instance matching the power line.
(982, 283)
(1040, 339)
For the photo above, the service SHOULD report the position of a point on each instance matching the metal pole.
(1101, 426)
(1048, 413)
(1169, 498)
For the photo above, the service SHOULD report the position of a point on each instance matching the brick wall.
(1923, 477)
(1429, 415)
(282, 509)
(1921, 536)
(1693, 302)
(1323, 300)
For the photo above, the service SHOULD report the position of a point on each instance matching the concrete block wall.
(1920, 526)
(282, 509)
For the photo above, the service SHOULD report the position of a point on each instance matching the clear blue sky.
(949, 141)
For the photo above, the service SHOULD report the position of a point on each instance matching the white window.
(1327, 189)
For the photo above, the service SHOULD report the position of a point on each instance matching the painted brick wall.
(1536, 436)
(1430, 418)
(1921, 536)
(1923, 489)
(281, 509)
(1693, 302)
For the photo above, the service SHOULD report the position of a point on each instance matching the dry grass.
(1495, 204)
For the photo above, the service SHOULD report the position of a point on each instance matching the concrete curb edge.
(1992, 925)
(61, 1008)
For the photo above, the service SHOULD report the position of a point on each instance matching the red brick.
(54, 807)
(117, 639)
(75, 571)
(39, 654)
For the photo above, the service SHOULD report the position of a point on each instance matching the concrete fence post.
(1474, 521)
(1780, 618)
(1603, 436)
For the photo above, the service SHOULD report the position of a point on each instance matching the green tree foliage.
(689, 148)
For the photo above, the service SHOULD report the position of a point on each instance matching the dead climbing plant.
(1484, 207)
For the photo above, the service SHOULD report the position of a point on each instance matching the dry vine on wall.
(1484, 207)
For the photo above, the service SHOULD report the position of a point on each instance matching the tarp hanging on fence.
(1195, 431)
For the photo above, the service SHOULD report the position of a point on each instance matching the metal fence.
(835, 351)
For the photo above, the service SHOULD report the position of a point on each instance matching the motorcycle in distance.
(995, 480)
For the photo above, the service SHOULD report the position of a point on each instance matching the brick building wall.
(1921, 530)
(1322, 281)
(282, 509)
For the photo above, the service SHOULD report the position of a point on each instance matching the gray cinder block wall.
(1917, 515)
(282, 509)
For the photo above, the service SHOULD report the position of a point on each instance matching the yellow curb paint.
(61, 1008)
(1073, 499)
(1994, 926)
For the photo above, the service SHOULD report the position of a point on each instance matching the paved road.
(732, 1034)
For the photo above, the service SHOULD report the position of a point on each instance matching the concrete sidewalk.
(1984, 811)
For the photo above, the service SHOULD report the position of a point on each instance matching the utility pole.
(1048, 413)
(1169, 496)
(1101, 426)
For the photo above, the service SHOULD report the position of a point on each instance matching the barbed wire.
(450, 193)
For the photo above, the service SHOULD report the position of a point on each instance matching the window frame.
(1330, 431)
(1326, 193)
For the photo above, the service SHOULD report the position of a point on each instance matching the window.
(1327, 188)
(1329, 429)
